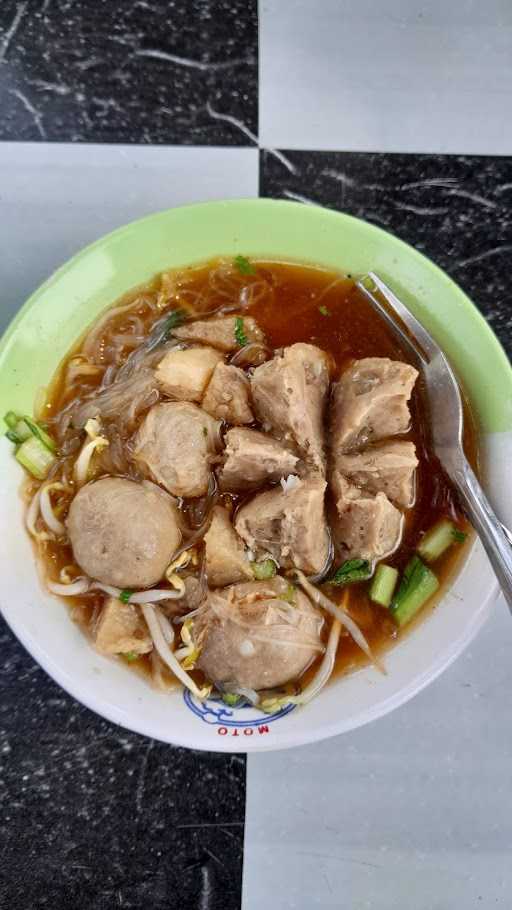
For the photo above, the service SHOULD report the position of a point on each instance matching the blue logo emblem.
(213, 711)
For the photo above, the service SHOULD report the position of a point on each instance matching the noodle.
(90, 347)
(127, 341)
(112, 403)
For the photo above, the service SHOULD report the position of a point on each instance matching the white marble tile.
(54, 199)
(399, 76)
(413, 811)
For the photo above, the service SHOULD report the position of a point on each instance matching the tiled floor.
(411, 811)
(399, 76)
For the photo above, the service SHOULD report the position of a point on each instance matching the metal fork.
(447, 423)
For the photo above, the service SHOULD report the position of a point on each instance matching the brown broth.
(306, 304)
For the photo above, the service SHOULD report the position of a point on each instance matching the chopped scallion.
(40, 433)
(130, 656)
(21, 428)
(264, 569)
(11, 419)
(35, 457)
(383, 585)
(240, 336)
(173, 320)
(418, 584)
(125, 595)
(289, 594)
(22, 431)
(437, 540)
(351, 571)
(244, 266)
(323, 310)
(231, 699)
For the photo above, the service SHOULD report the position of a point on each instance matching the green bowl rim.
(261, 202)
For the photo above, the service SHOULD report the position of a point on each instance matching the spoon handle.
(495, 537)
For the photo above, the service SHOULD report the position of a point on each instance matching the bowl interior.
(57, 314)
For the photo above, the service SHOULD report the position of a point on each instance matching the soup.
(231, 482)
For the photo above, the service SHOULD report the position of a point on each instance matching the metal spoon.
(447, 422)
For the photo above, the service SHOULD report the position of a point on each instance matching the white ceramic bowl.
(55, 316)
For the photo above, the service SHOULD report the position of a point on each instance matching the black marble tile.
(143, 71)
(455, 209)
(96, 818)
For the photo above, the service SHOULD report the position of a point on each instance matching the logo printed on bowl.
(228, 721)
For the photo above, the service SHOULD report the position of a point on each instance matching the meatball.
(176, 442)
(257, 634)
(123, 533)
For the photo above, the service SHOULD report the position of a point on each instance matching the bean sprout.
(49, 517)
(190, 651)
(153, 595)
(33, 514)
(339, 613)
(155, 630)
(249, 694)
(80, 586)
(64, 575)
(84, 459)
(171, 572)
(167, 629)
(107, 589)
(139, 597)
(174, 579)
(319, 680)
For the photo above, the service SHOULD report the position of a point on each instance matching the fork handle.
(495, 538)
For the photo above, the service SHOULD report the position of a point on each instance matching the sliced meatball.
(370, 402)
(228, 395)
(122, 630)
(184, 375)
(176, 443)
(257, 635)
(388, 468)
(220, 332)
(289, 524)
(226, 559)
(369, 527)
(252, 459)
(123, 533)
(289, 394)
